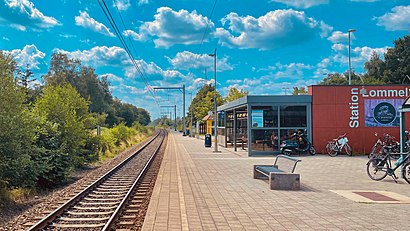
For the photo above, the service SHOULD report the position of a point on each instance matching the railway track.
(117, 200)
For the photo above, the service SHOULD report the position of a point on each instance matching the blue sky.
(263, 46)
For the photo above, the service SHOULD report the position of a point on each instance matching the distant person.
(255, 124)
(274, 140)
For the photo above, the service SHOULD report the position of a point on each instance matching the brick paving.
(201, 190)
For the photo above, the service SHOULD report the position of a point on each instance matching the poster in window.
(382, 112)
(257, 118)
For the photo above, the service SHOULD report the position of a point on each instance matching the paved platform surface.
(201, 190)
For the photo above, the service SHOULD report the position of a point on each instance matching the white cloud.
(113, 78)
(198, 83)
(302, 3)
(364, 0)
(324, 63)
(23, 13)
(187, 60)
(143, 2)
(339, 47)
(122, 4)
(291, 70)
(275, 29)
(397, 19)
(100, 56)
(134, 35)
(340, 37)
(175, 27)
(29, 55)
(364, 54)
(5, 38)
(84, 20)
(154, 72)
(359, 55)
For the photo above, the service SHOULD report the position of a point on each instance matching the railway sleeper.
(78, 226)
(106, 195)
(99, 203)
(112, 208)
(111, 187)
(109, 192)
(113, 190)
(104, 199)
(89, 213)
(82, 219)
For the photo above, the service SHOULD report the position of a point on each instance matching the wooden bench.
(281, 174)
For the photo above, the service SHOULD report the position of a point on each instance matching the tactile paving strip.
(369, 196)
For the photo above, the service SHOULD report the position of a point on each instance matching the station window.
(293, 116)
(221, 119)
(265, 140)
(264, 116)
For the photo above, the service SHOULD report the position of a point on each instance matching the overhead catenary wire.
(203, 37)
(207, 26)
(111, 20)
(132, 44)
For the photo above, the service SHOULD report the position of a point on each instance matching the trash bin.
(208, 142)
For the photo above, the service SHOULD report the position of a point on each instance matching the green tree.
(334, 79)
(63, 135)
(397, 61)
(17, 126)
(299, 90)
(234, 94)
(375, 68)
(65, 70)
(203, 102)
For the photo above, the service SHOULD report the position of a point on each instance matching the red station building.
(359, 111)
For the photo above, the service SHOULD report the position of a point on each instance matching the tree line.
(49, 130)
(393, 69)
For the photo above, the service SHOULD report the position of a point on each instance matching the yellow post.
(209, 127)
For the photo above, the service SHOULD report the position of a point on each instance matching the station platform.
(198, 189)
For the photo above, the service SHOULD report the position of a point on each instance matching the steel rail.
(117, 212)
(60, 210)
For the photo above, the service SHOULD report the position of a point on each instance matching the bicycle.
(334, 147)
(378, 167)
(385, 144)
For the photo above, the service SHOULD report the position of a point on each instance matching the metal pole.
(175, 118)
(350, 68)
(216, 112)
(183, 111)
(190, 129)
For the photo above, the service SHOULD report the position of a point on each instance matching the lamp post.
(285, 88)
(190, 128)
(350, 68)
(215, 107)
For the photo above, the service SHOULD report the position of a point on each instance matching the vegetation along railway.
(117, 200)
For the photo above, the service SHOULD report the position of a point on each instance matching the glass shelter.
(260, 123)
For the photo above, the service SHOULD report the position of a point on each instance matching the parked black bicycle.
(379, 166)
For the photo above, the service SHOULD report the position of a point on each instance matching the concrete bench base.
(284, 181)
(279, 180)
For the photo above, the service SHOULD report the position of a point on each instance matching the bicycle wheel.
(348, 150)
(330, 149)
(377, 149)
(377, 168)
(406, 172)
(312, 151)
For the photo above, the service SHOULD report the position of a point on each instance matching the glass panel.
(293, 116)
(265, 140)
(286, 134)
(229, 120)
(264, 116)
(221, 119)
